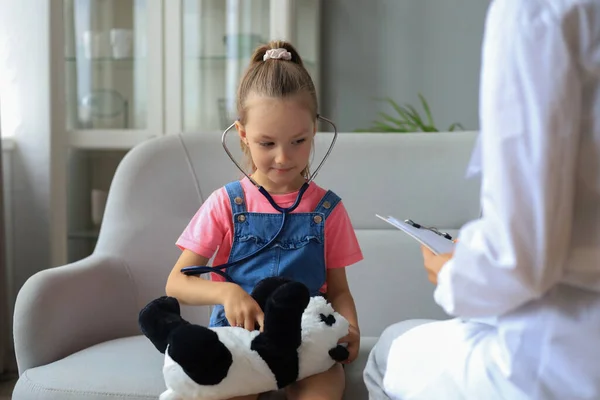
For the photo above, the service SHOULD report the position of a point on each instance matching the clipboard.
(435, 242)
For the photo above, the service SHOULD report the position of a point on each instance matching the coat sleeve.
(530, 102)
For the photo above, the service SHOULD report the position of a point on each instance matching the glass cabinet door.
(111, 76)
(218, 38)
(208, 44)
(306, 35)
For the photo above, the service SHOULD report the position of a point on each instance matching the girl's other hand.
(353, 340)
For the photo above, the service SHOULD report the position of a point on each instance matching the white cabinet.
(113, 58)
(138, 69)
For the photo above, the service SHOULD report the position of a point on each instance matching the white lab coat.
(530, 266)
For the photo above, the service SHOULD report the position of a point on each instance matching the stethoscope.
(219, 269)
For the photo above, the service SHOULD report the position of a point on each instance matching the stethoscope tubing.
(219, 269)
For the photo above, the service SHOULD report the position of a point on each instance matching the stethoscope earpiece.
(310, 179)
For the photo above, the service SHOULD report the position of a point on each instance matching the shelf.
(108, 139)
(208, 58)
(104, 59)
(223, 58)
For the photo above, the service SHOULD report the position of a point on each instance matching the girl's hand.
(353, 340)
(433, 264)
(242, 310)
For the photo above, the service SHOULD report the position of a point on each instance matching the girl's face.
(279, 134)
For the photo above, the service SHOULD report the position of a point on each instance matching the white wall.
(398, 48)
(452, 37)
(33, 90)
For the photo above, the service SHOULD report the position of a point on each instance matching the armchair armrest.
(62, 310)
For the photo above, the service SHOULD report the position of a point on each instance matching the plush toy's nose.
(339, 353)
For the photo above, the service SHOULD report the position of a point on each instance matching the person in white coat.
(523, 282)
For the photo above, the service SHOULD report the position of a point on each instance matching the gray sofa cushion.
(118, 369)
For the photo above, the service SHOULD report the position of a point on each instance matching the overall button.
(241, 218)
(238, 200)
(318, 219)
(326, 204)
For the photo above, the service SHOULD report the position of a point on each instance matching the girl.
(277, 108)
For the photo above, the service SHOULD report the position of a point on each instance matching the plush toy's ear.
(283, 313)
(159, 318)
(265, 288)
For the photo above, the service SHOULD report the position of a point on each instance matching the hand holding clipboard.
(436, 241)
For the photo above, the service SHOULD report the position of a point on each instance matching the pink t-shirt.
(211, 228)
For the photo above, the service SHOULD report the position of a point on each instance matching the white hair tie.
(277, 54)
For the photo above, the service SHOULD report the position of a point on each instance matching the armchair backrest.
(160, 184)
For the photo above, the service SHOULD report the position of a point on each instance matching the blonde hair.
(278, 78)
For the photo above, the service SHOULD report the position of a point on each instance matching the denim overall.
(298, 252)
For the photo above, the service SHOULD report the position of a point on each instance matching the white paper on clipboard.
(434, 242)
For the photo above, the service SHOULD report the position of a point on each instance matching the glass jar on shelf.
(113, 82)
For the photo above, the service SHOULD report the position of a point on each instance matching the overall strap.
(238, 205)
(327, 203)
(236, 197)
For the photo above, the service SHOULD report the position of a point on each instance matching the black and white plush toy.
(300, 338)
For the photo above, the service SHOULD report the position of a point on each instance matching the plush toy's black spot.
(200, 353)
(158, 319)
(339, 353)
(283, 362)
(329, 319)
(282, 335)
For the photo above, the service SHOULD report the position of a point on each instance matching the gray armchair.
(75, 326)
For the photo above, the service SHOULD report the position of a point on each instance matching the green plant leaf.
(381, 127)
(454, 126)
(427, 110)
(428, 128)
(404, 113)
(396, 107)
(416, 116)
(408, 120)
(389, 118)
